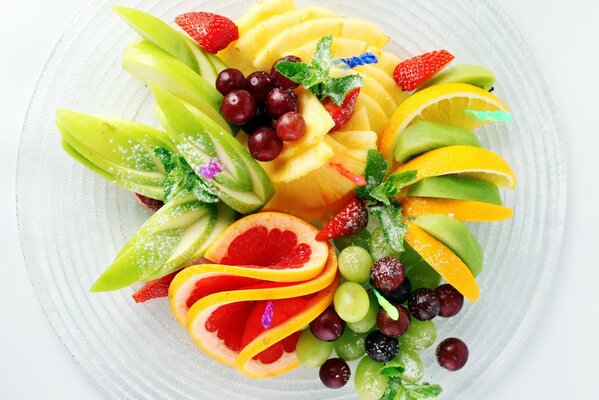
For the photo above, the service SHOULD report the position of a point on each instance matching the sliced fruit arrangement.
(292, 115)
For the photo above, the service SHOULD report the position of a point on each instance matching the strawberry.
(154, 289)
(212, 32)
(353, 218)
(341, 114)
(410, 74)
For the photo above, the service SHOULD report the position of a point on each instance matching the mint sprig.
(392, 186)
(408, 391)
(181, 177)
(316, 75)
(391, 220)
(375, 173)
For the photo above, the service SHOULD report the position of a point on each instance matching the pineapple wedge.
(385, 80)
(342, 47)
(358, 121)
(376, 115)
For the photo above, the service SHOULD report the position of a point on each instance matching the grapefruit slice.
(281, 244)
(240, 283)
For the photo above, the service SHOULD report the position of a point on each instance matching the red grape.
(280, 101)
(391, 327)
(424, 304)
(239, 107)
(452, 354)
(451, 300)
(229, 80)
(259, 84)
(401, 294)
(260, 119)
(388, 274)
(279, 79)
(264, 144)
(328, 326)
(291, 126)
(334, 373)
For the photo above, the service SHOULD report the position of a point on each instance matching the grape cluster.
(256, 101)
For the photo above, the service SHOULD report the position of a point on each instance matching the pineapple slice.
(388, 62)
(358, 121)
(312, 158)
(376, 91)
(261, 11)
(342, 47)
(313, 30)
(327, 185)
(376, 115)
(378, 73)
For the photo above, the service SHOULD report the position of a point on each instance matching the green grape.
(351, 301)
(369, 383)
(350, 346)
(379, 248)
(420, 273)
(311, 351)
(360, 238)
(354, 264)
(369, 321)
(412, 363)
(421, 335)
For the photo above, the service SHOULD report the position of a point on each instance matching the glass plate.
(72, 222)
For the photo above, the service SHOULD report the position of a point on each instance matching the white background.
(560, 357)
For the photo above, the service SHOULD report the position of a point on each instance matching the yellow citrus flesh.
(443, 260)
(473, 161)
(444, 103)
(463, 210)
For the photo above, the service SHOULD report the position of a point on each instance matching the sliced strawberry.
(154, 289)
(353, 218)
(341, 114)
(410, 74)
(212, 32)
(151, 204)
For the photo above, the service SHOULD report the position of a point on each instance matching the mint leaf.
(393, 185)
(337, 88)
(391, 220)
(421, 391)
(393, 369)
(295, 71)
(374, 173)
(322, 60)
(167, 158)
(393, 387)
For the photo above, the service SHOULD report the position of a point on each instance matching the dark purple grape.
(381, 347)
(334, 373)
(260, 119)
(279, 79)
(388, 274)
(452, 354)
(229, 80)
(264, 144)
(424, 304)
(259, 84)
(399, 295)
(239, 107)
(280, 101)
(391, 327)
(451, 300)
(291, 126)
(328, 326)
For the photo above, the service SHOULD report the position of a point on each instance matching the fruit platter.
(294, 205)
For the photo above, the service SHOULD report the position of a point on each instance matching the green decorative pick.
(501, 115)
(388, 307)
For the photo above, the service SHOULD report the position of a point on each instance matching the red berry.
(451, 300)
(391, 327)
(388, 274)
(264, 144)
(341, 114)
(452, 354)
(151, 204)
(410, 74)
(229, 80)
(334, 373)
(328, 326)
(212, 32)
(259, 84)
(291, 126)
(424, 304)
(279, 79)
(154, 289)
(239, 107)
(351, 219)
(280, 101)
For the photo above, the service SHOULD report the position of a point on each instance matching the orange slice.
(464, 210)
(443, 260)
(281, 244)
(196, 282)
(473, 161)
(444, 103)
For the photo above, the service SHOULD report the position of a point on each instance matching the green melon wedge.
(160, 34)
(457, 237)
(243, 184)
(424, 136)
(457, 188)
(120, 151)
(474, 75)
(170, 239)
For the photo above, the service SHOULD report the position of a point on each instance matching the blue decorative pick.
(356, 61)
